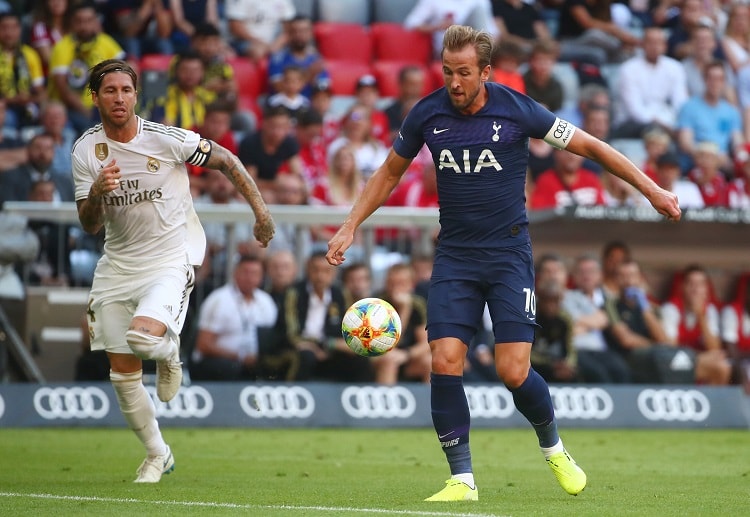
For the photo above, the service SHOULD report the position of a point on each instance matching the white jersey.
(149, 220)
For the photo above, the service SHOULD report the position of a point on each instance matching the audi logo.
(489, 401)
(560, 129)
(671, 405)
(378, 402)
(277, 402)
(190, 402)
(581, 403)
(74, 402)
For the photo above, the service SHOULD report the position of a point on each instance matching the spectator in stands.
(367, 94)
(614, 253)
(735, 330)
(356, 280)
(228, 344)
(411, 360)
(711, 118)
(52, 264)
(321, 101)
(217, 126)
(356, 132)
(743, 94)
(184, 103)
(187, 16)
(312, 149)
(21, 75)
(620, 193)
(703, 52)
(591, 95)
(708, 177)
(567, 184)
(597, 362)
(520, 22)
(651, 88)
(434, 16)
(669, 177)
(139, 26)
(691, 319)
(291, 190)
(256, 26)
(289, 94)
(541, 84)
(281, 273)
(596, 121)
(72, 58)
(309, 324)
(735, 43)
(738, 192)
(218, 77)
(54, 122)
(12, 149)
(15, 184)
(343, 183)
(656, 142)
(553, 354)
(266, 151)
(299, 51)
(48, 25)
(421, 262)
(635, 324)
(692, 14)
(587, 33)
(411, 84)
(506, 57)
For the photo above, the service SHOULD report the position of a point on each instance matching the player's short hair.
(459, 36)
(98, 71)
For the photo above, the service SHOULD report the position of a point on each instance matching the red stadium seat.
(250, 79)
(156, 62)
(392, 42)
(436, 69)
(343, 41)
(345, 74)
(387, 72)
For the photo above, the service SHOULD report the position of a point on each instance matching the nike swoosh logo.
(436, 131)
(441, 436)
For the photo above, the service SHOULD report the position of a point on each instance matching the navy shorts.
(462, 282)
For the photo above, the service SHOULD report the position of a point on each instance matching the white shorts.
(160, 293)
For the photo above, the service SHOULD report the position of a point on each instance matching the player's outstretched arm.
(614, 161)
(91, 209)
(376, 192)
(229, 164)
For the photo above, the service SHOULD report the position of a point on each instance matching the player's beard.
(469, 99)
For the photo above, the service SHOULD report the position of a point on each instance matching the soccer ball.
(371, 327)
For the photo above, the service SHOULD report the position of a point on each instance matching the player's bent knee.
(144, 345)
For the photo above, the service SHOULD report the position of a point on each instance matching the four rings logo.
(74, 402)
(581, 403)
(560, 128)
(489, 401)
(190, 402)
(671, 405)
(277, 402)
(378, 402)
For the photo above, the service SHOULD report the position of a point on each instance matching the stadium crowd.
(310, 98)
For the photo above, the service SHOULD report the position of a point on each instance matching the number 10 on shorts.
(530, 306)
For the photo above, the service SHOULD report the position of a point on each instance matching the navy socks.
(532, 399)
(450, 416)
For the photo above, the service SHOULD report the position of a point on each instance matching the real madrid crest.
(152, 164)
(205, 145)
(101, 151)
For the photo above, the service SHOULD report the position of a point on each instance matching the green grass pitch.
(345, 472)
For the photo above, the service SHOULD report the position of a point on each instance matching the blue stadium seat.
(394, 11)
(346, 11)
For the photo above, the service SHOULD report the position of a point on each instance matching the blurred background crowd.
(310, 94)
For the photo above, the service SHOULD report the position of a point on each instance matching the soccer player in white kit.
(131, 180)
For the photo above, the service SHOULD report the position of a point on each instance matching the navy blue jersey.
(480, 161)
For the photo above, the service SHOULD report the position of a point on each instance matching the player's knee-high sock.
(138, 410)
(450, 416)
(532, 399)
(147, 346)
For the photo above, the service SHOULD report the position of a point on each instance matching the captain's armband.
(201, 154)
(560, 134)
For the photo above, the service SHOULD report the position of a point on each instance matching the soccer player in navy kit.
(478, 135)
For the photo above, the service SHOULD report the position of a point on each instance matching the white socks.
(138, 409)
(549, 451)
(147, 346)
(467, 478)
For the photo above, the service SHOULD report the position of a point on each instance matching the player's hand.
(666, 204)
(108, 179)
(264, 229)
(338, 245)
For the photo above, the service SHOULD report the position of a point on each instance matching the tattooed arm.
(91, 209)
(225, 161)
